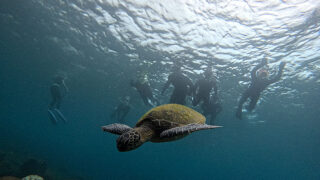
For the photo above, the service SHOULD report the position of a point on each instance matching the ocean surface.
(100, 45)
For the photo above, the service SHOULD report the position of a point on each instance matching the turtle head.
(129, 141)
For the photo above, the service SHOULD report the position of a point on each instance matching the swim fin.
(60, 115)
(52, 117)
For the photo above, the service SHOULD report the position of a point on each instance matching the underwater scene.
(159, 89)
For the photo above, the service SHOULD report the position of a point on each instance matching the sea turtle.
(164, 123)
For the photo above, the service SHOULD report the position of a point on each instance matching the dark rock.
(9, 164)
(2, 156)
(33, 166)
(9, 178)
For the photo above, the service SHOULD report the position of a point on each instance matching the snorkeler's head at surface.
(176, 68)
(143, 78)
(126, 100)
(58, 79)
(262, 73)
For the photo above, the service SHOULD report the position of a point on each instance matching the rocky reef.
(33, 166)
(17, 167)
(9, 178)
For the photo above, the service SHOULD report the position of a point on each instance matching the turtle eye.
(136, 137)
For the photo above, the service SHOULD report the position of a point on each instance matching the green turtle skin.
(169, 116)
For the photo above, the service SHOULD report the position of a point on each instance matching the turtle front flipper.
(116, 128)
(185, 130)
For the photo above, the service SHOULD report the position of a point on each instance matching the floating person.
(182, 86)
(259, 82)
(164, 123)
(203, 87)
(121, 111)
(212, 109)
(142, 85)
(58, 90)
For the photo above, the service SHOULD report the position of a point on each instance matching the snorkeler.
(121, 111)
(58, 90)
(143, 87)
(259, 81)
(212, 109)
(182, 86)
(203, 87)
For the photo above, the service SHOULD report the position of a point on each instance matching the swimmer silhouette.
(259, 82)
(121, 111)
(58, 90)
(142, 85)
(182, 86)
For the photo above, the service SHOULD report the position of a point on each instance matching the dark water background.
(280, 141)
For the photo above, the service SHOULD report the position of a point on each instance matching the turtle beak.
(122, 148)
(123, 144)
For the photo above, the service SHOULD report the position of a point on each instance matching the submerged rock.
(9, 164)
(9, 178)
(2, 156)
(33, 166)
(32, 177)
(15, 166)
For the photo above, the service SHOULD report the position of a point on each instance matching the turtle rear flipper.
(116, 128)
(185, 130)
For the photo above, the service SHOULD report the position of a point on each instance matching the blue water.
(100, 46)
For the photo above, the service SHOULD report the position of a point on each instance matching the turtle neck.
(146, 132)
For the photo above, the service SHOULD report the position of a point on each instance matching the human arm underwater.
(278, 76)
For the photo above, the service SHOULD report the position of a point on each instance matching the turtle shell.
(174, 114)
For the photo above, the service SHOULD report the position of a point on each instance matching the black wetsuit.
(205, 86)
(121, 111)
(256, 87)
(58, 90)
(182, 86)
(212, 109)
(56, 96)
(145, 92)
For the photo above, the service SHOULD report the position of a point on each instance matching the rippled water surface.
(100, 45)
